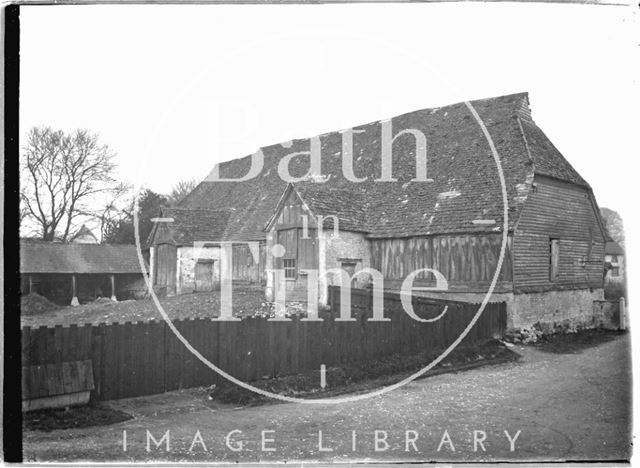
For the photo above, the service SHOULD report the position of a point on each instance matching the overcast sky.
(175, 89)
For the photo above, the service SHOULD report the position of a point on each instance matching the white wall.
(187, 258)
(333, 248)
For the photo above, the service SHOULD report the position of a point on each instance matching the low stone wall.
(553, 311)
(544, 312)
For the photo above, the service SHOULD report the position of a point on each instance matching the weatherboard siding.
(292, 212)
(562, 211)
(246, 267)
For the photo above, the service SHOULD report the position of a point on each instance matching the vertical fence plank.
(95, 355)
(25, 342)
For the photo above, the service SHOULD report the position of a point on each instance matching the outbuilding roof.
(180, 226)
(613, 248)
(465, 194)
(59, 257)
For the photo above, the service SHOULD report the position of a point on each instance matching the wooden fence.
(144, 358)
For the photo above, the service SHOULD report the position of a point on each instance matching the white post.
(323, 282)
(74, 298)
(623, 315)
(152, 264)
(113, 288)
(269, 291)
(178, 267)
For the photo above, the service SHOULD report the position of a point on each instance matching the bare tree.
(60, 174)
(181, 190)
(119, 206)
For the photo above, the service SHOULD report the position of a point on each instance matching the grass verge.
(355, 378)
(572, 343)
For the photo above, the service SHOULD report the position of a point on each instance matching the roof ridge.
(289, 143)
(460, 163)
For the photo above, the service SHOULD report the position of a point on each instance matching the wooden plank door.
(204, 276)
(166, 267)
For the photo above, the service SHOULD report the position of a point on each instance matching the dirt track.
(570, 403)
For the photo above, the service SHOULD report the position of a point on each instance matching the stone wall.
(606, 314)
(186, 268)
(550, 311)
(564, 310)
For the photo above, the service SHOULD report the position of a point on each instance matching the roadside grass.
(94, 414)
(573, 343)
(358, 378)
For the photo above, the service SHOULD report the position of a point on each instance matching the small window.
(349, 267)
(289, 268)
(554, 258)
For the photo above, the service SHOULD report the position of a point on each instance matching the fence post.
(622, 315)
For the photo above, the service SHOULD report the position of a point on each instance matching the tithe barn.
(552, 269)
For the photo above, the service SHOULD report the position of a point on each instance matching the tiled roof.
(613, 248)
(189, 225)
(59, 257)
(348, 205)
(547, 160)
(464, 195)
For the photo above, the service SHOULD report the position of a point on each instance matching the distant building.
(176, 265)
(84, 236)
(614, 262)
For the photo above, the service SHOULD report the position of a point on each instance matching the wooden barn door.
(204, 275)
(166, 259)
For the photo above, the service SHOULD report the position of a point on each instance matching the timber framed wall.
(468, 262)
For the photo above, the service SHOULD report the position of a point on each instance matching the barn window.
(554, 258)
(289, 268)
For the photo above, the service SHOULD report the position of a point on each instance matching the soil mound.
(34, 303)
